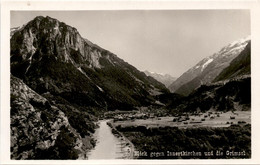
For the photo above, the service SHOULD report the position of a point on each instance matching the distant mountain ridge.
(208, 68)
(166, 79)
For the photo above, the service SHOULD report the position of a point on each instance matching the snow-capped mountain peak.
(166, 79)
(240, 41)
(234, 47)
(230, 50)
(208, 68)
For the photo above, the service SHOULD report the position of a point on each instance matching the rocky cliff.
(51, 56)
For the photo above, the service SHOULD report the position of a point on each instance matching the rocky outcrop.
(48, 37)
(38, 127)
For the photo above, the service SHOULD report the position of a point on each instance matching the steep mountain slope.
(229, 95)
(166, 79)
(43, 130)
(239, 66)
(51, 56)
(207, 69)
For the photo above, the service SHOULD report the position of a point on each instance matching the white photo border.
(8, 6)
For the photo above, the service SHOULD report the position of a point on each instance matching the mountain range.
(61, 83)
(208, 69)
(166, 79)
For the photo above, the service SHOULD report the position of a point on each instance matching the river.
(107, 146)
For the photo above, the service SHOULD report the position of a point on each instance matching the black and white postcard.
(129, 82)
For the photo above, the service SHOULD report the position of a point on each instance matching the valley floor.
(207, 119)
(209, 135)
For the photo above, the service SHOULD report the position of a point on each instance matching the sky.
(161, 41)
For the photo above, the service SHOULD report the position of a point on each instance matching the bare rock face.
(50, 37)
(36, 125)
